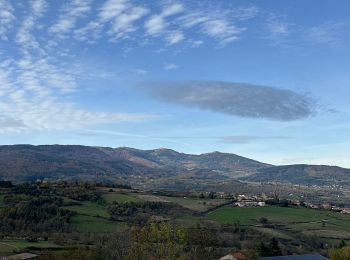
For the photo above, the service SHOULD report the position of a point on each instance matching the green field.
(119, 197)
(194, 204)
(274, 214)
(10, 246)
(83, 223)
(290, 221)
(90, 209)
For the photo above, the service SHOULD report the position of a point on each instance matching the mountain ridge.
(24, 162)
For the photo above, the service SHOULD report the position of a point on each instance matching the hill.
(74, 162)
(28, 162)
(303, 174)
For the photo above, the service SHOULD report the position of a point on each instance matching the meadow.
(288, 222)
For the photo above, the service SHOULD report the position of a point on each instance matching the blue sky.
(264, 79)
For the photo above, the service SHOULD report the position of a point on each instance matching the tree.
(274, 248)
(263, 220)
(342, 244)
(263, 250)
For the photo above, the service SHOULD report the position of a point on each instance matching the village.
(249, 200)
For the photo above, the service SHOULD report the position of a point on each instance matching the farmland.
(286, 222)
(90, 215)
(86, 223)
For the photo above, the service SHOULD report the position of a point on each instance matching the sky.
(264, 79)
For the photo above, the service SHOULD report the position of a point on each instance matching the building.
(234, 256)
(296, 257)
(249, 203)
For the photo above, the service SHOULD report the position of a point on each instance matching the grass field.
(83, 223)
(90, 209)
(274, 214)
(111, 197)
(319, 223)
(194, 204)
(10, 246)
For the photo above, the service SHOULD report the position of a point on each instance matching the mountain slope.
(74, 162)
(302, 174)
(28, 162)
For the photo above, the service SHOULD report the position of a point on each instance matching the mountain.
(302, 174)
(28, 162)
(75, 162)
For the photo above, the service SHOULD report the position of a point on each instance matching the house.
(296, 257)
(249, 203)
(345, 211)
(234, 256)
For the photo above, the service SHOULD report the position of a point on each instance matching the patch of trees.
(140, 212)
(80, 192)
(32, 189)
(5, 184)
(278, 202)
(33, 214)
(271, 249)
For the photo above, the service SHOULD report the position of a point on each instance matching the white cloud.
(69, 16)
(175, 37)
(330, 33)
(111, 9)
(120, 15)
(124, 23)
(222, 30)
(6, 18)
(38, 7)
(140, 72)
(158, 23)
(214, 24)
(277, 29)
(170, 66)
(29, 100)
(24, 37)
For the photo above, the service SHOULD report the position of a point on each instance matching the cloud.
(124, 23)
(216, 25)
(157, 23)
(29, 100)
(111, 9)
(69, 16)
(245, 139)
(277, 29)
(222, 30)
(140, 72)
(236, 99)
(6, 18)
(175, 37)
(331, 33)
(119, 15)
(170, 66)
(36, 83)
(120, 19)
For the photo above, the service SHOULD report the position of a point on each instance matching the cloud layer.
(245, 139)
(236, 99)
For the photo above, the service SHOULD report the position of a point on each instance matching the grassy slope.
(83, 223)
(90, 209)
(274, 214)
(93, 217)
(321, 223)
(195, 204)
(11, 246)
(111, 197)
